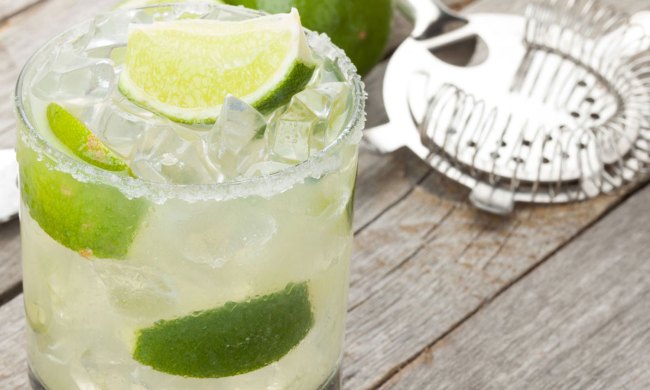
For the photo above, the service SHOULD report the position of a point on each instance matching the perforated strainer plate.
(557, 112)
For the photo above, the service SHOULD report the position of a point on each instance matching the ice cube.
(103, 366)
(327, 72)
(115, 53)
(329, 102)
(171, 153)
(237, 125)
(289, 132)
(193, 10)
(121, 131)
(311, 121)
(240, 234)
(87, 113)
(76, 79)
(112, 29)
(253, 153)
(325, 100)
(265, 168)
(122, 124)
(108, 33)
(136, 291)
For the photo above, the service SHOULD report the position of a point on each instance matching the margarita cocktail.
(187, 176)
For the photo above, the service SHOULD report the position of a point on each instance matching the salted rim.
(263, 186)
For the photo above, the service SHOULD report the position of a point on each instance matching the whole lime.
(360, 27)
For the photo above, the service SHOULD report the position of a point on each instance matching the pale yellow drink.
(163, 252)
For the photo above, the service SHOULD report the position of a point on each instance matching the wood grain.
(8, 8)
(580, 321)
(430, 262)
(13, 365)
(10, 272)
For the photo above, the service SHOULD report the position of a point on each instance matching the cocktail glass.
(131, 284)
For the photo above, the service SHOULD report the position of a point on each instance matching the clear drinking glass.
(244, 282)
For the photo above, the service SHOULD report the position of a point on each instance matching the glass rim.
(264, 185)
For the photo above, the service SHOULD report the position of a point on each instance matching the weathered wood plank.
(429, 263)
(10, 8)
(407, 289)
(580, 321)
(13, 365)
(10, 272)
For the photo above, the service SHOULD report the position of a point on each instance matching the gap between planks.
(581, 320)
(393, 376)
(11, 8)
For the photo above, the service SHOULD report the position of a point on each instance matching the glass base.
(34, 382)
(334, 383)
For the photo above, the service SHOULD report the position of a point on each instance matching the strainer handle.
(429, 17)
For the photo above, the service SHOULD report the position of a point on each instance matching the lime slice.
(94, 219)
(184, 69)
(82, 142)
(360, 27)
(230, 340)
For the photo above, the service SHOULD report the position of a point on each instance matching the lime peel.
(184, 69)
(95, 220)
(74, 134)
(230, 340)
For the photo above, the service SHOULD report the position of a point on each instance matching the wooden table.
(443, 296)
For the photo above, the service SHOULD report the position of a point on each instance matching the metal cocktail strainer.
(558, 112)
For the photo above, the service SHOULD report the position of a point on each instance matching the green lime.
(96, 220)
(230, 340)
(360, 27)
(82, 142)
(184, 69)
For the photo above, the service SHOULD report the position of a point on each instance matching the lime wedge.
(94, 219)
(184, 69)
(82, 142)
(230, 340)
